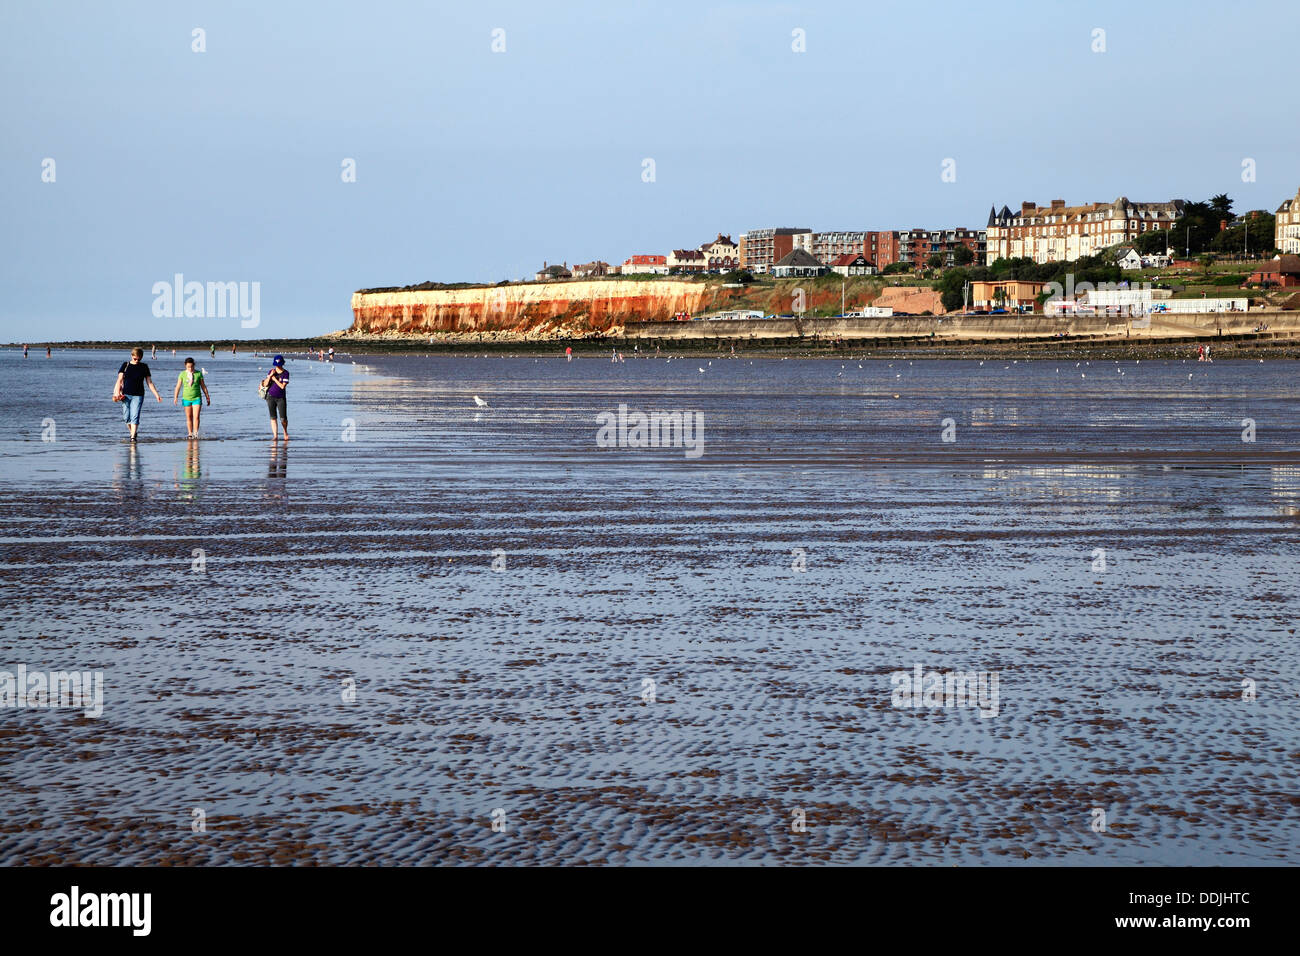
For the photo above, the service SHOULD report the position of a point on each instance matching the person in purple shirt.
(276, 384)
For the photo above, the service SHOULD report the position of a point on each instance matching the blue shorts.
(131, 405)
(186, 402)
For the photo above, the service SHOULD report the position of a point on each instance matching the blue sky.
(476, 166)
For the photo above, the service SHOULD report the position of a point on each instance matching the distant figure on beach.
(132, 377)
(613, 355)
(213, 349)
(1200, 353)
(153, 351)
(47, 352)
(189, 384)
(24, 351)
(568, 354)
(1207, 354)
(331, 353)
(276, 384)
(234, 348)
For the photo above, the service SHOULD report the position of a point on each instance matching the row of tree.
(1198, 231)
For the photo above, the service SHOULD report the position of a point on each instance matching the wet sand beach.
(421, 617)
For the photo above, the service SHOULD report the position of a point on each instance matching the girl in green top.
(188, 386)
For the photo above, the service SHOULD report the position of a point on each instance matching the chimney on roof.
(1058, 203)
(1027, 207)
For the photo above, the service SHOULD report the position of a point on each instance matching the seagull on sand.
(479, 402)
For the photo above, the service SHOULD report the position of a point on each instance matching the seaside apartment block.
(1286, 235)
(915, 246)
(764, 248)
(1061, 233)
(881, 248)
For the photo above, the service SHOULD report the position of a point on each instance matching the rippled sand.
(521, 689)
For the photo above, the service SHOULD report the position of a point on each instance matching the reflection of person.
(127, 474)
(279, 466)
(276, 384)
(132, 377)
(188, 385)
(191, 472)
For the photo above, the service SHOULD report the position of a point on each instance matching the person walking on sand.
(1207, 353)
(213, 349)
(153, 351)
(132, 377)
(24, 351)
(189, 384)
(276, 384)
(48, 355)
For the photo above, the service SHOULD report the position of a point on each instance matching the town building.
(721, 255)
(1061, 233)
(797, 264)
(881, 248)
(765, 247)
(829, 246)
(645, 265)
(551, 273)
(852, 264)
(1281, 271)
(915, 246)
(685, 260)
(1014, 295)
(1286, 232)
(1126, 257)
(589, 270)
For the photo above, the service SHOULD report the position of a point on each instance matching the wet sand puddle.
(769, 597)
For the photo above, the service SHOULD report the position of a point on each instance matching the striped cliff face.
(534, 308)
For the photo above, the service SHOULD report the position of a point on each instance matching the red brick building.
(881, 248)
(1282, 272)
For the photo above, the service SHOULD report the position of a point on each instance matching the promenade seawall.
(964, 327)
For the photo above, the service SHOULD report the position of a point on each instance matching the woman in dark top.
(132, 377)
(276, 384)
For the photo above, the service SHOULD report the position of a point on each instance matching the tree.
(1252, 234)
(963, 256)
(1221, 206)
(935, 261)
(952, 288)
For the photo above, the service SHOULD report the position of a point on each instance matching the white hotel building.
(1287, 229)
(1061, 233)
